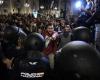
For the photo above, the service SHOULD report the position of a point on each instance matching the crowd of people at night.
(35, 48)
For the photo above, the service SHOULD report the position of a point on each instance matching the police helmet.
(81, 33)
(12, 33)
(77, 61)
(34, 41)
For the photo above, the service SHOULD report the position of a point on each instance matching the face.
(50, 29)
(39, 30)
(67, 28)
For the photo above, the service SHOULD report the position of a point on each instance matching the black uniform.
(32, 64)
(8, 48)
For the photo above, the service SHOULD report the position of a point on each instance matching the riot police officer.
(32, 64)
(77, 61)
(10, 36)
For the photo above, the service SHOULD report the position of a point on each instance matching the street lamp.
(78, 4)
(1, 2)
(26, 5)
(55, 8)
(41, 7)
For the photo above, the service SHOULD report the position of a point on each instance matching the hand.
(53, 38)
(8, 62)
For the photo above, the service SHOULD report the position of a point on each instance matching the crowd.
(16, 28)
(31, 46)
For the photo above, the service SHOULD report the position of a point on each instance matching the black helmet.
(34, 41)
(32, 67)
(77, 61)
(81, 33)
(12, 33)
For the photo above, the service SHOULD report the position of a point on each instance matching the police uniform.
(32, 64)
